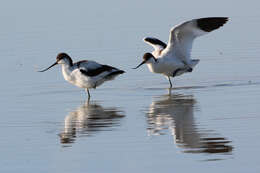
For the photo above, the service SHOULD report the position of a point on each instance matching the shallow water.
(208, 122)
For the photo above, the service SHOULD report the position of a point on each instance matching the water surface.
(209, 122)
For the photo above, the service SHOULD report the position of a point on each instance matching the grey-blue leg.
(170, 81)
(88, 93)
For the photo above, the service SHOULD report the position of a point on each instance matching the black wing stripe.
(97, 71)
(115, 73)
(155, 41)
(80, 62)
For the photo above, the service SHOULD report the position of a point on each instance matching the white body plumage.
(74, 75)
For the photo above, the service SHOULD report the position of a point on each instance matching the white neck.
(66, 71)
(152, 65)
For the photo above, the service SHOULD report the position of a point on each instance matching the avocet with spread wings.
(174, 59)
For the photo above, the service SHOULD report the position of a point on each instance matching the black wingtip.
(120, 71)
(211, 23)
(114, 74)
(117, 72)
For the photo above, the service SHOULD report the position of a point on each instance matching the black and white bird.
(173, 59)
(85, 74)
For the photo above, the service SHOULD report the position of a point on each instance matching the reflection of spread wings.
(182, 36)
(176, 113)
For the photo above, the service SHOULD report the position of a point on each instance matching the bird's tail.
(194, 62)
(114, 74)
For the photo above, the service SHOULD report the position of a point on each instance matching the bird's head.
(62, 58)
(147, 58)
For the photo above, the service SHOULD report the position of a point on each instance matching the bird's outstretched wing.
(182, 36)
(157, 44)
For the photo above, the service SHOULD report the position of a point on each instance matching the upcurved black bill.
(139, 65)
(48, 67)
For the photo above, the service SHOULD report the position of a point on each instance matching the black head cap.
(147, 56)
(61, 56)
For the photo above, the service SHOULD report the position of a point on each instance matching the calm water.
(208, 122)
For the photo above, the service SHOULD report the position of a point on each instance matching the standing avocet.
(85, 74)
(174, 59)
